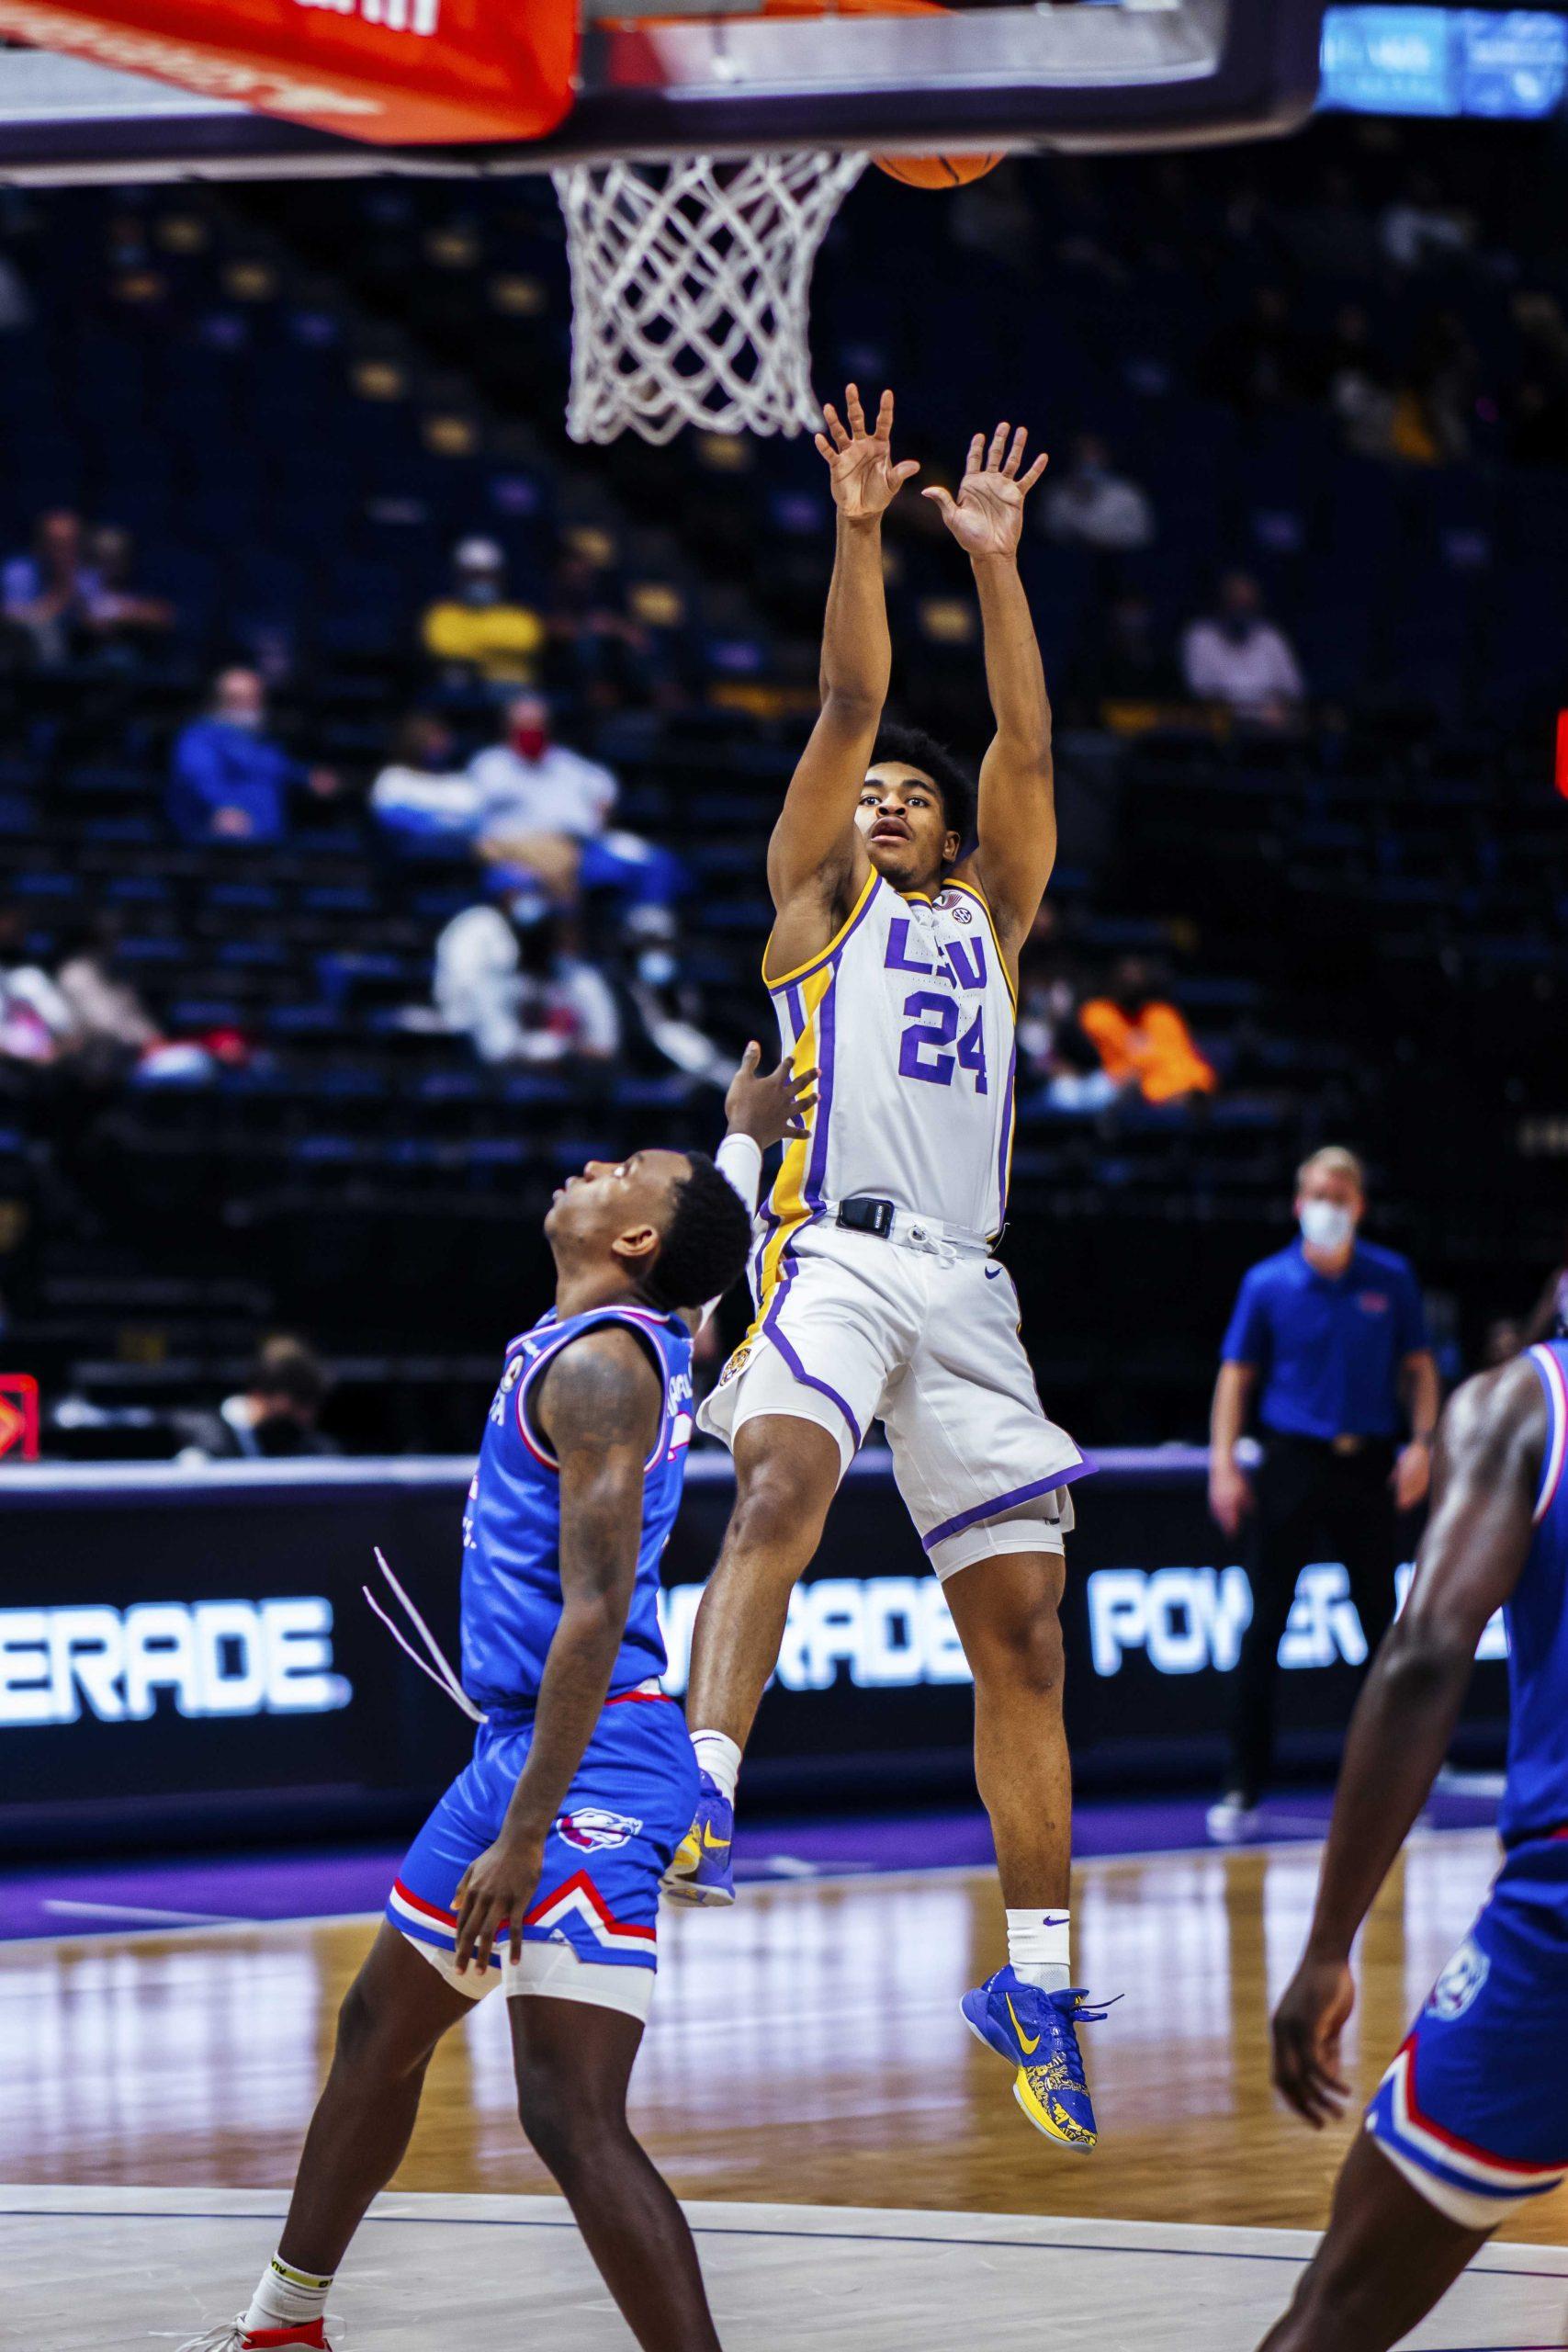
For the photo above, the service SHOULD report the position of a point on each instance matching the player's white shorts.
(925, 1341)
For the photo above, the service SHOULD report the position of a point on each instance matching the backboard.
(325, 87)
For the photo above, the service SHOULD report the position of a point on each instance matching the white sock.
(1037, 1948)
(719, 1757)
(286, 2298)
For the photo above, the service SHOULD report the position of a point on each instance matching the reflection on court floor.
(806, 2051)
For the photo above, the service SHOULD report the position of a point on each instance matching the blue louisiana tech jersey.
(511, 1590)
(1535, 1799)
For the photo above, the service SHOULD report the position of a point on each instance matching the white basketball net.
(690, 285)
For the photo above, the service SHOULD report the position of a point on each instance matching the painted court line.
(983, 2241)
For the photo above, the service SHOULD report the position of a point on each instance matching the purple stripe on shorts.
(807, 1379)
(1006, 1502)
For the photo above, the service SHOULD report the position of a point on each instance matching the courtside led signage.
(193, 1658)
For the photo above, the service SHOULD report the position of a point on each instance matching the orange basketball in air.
(936, 171)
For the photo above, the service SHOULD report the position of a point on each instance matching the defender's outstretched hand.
(987, 516)
(768, 1105)
(865, 480)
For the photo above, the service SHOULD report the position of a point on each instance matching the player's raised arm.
(815, 852)
(598, 1406)
(1483, 1484)
(1018, 802)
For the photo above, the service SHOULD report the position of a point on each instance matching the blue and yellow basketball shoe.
(1037, 2033)
(703, 1867)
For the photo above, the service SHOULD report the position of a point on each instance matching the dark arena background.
(295, 557)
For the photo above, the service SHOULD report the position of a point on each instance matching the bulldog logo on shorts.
(1460, 1980)
(594, 1829)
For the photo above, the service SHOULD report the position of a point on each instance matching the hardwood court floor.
(805, 2049)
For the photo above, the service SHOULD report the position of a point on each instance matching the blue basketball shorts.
(589, 1932)
(1473, 2111)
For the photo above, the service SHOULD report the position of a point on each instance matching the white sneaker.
(230, 2336)
(1232, 1821)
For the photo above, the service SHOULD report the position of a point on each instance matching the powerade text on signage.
(193, 1658)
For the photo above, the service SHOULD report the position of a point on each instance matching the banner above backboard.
(390, 73)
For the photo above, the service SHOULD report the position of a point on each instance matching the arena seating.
(298, 398)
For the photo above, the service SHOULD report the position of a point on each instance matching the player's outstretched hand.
(865, 480)
(987, 516)
(768, 1105)
(494, 1892)
(1308, 2023)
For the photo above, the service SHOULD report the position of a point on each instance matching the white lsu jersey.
(908, 1017)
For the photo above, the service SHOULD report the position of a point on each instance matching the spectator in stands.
(1358, 384)
(1132, 662)
(276, 1414)
(230, 781)
(119, 616)
(1332, 1335)
(1419, 230)
(1094, 506)
(1054, 1049)
(596, 648)
(1145, 1046)
(1258, 364)
(479, 630)
(112, 1026)
(1238, 657)
(510, 980)
(37, 1029)
(46, 595)
(543, 812)
(422, 797)
(1538, 433)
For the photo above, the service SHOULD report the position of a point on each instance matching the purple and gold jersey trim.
(826, 955)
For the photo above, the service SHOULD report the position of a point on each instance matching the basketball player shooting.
(539, 1868)
(1471, 2118)
(893, 969)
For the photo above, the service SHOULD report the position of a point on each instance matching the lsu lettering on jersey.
(910, 1019)
(1473, 2111)
(512, 1590)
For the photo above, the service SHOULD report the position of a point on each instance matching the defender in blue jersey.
(1471, 2118)
(539, 1868)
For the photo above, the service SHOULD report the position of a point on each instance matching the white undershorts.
(860, 1329)
(552, 1971)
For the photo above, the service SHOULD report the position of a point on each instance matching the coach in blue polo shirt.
(1330, 1337)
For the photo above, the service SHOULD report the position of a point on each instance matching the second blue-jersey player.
(1471, 2120)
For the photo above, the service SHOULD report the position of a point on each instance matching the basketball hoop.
(690, 283)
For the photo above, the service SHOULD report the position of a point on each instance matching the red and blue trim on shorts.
(1396, 2118)
(574, 1913)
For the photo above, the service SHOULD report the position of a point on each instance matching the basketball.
(936, 171)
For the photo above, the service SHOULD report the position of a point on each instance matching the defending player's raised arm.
(599, 1407)
(1485, 1480)
(1018, 802)
(814, 851)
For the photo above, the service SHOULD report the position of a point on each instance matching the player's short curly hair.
(705, 1244)
(912, 747)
